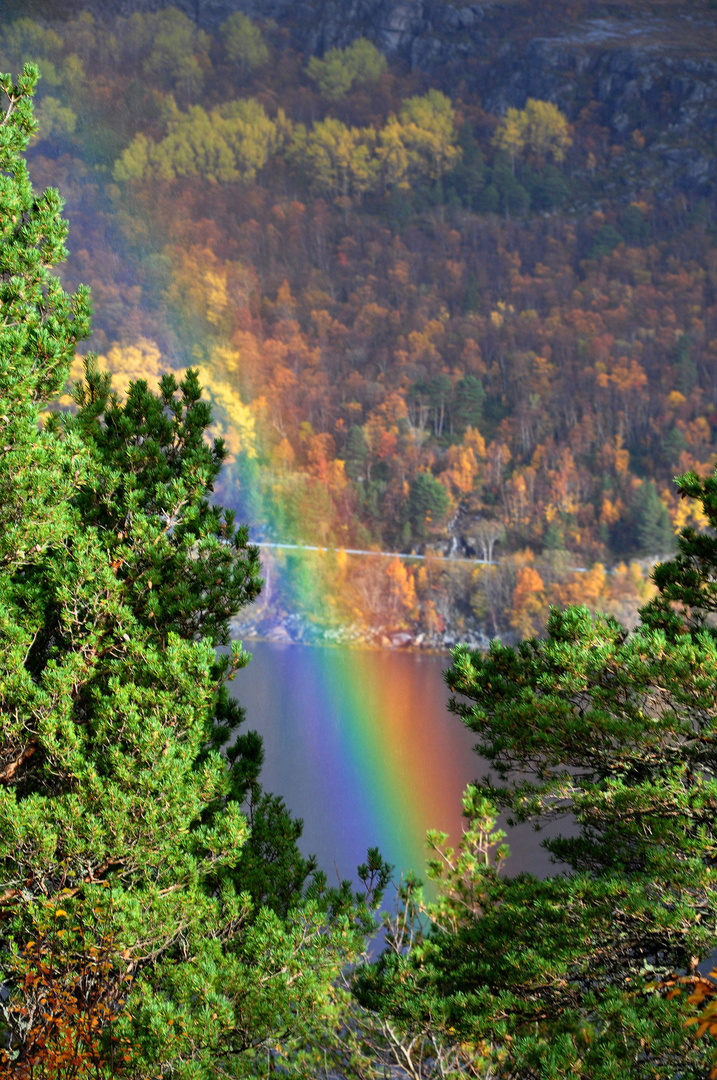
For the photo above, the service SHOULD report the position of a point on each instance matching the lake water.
(361, 746)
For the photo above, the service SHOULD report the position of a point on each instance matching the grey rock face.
(407, 28)
(672, 99)
(626, 65)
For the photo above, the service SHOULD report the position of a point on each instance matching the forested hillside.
(482, 341)
(461, 309)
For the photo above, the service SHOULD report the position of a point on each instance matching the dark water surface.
(361, 746)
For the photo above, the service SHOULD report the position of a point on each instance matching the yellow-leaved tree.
(540, 130)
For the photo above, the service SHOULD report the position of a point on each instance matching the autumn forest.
(425, 328)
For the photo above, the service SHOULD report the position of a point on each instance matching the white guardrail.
(390, 554)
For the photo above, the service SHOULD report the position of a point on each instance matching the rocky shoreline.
(293, 629)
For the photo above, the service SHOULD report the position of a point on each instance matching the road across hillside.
(390, 554)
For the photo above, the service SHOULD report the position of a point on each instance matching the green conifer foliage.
(118, 579)
(355, 453)
(613, 735)
(40, 328)
(467, 406)
(653, 533)
(687, 597)
(427, 505)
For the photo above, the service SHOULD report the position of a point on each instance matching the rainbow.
(361, 746)
(378, 765)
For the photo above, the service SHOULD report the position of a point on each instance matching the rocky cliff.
(655, 73)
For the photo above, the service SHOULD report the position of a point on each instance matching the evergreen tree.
(606, 240)
(687, 597)
(467, 178)
(652, 529)
(39, 320)
(471, 297)
(355, 453)
(427, 504)
(588, 972)
(686, 368)
(118, 811)
(467, 407)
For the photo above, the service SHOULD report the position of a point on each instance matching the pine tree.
(119, 813)
(40, 328)
(588, 973)
(427, 504)
(652, 528)
(355, 453)
(467, 406)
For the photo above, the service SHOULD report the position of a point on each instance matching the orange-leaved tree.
(72, 982)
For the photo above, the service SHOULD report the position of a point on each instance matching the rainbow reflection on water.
(361, 746)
